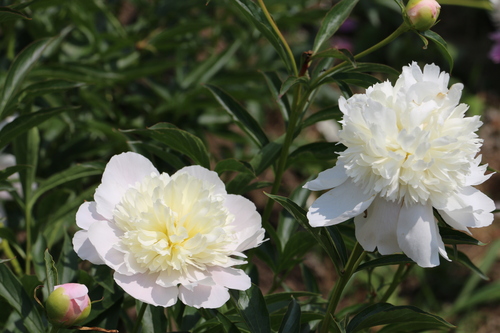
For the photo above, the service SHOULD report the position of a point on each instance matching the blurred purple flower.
(495, 50)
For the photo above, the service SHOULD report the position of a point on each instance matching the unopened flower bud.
(68, 304)
(423, 13)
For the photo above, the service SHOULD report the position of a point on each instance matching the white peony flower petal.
(205, 175)
(202, 296)
(87, 214)
(477, 171)
(377, 227)
(168, 235)
(144, 288)
(84, 248)
(418, 235)
(121, 172)
(231, 278)
(246, 222)
(339, 205)
(104, 236)
(328, 179)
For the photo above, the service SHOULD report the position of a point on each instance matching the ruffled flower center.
(410, 142)
(175, 225)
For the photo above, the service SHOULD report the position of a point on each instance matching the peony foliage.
(245, 166)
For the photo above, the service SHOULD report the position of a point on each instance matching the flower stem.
(280, 35)
(400, 30)
(29, 241)
(398, 276)
(355, 259)
(139, 318)
(13, 260)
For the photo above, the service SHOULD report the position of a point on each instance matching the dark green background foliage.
(187, 82)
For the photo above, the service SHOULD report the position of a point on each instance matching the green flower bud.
(68, 304)
(422, 13)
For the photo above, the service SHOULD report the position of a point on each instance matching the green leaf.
(452, 236)
(19, 68)
(342, 54)
(274, 83)
(332, 21)
(50, 272)
(207, 69)
(13, 292)
(325, 114)
(257, 18)
(25, 122)
(358, 79)
(315, 150)
(408, 319)
(72, 173)
(241, 116)
(40, 89)
(9, 14)
(296, 247)
(252, 308)
(227, 325)
(5, 173)
(67, 264)
(154, 319)
(232, 164)
(179, 140)
(291, 320)
(292, 81)
(391, 259)
(333, 246)
(464, 260)
(441, 45)
(363, 67)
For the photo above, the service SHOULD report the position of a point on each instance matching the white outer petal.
(84, 248)
(339, 205)
(379, 228)
(105, 237)
(121, 172)
(87, 215)
(201, 173)
(144, 288)
(477, 175)
(202, 296)
(418, 235)
(328, 179)
(247, 222)
(230, 278)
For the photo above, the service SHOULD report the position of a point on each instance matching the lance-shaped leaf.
(441, 45)
(13, 292)
(179, 140)
(332, 21)
(256, 17)
(9, 14)
(291, 320)
(240, 115)
(19, 68)
(25, 122)
(408, 319)
(274, 83)
(252, 307)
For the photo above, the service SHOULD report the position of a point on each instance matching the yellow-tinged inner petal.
(175, 224)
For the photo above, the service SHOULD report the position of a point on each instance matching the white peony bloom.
(168, 237)
(409, 149)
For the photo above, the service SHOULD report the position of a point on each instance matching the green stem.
(28, 238)
(139, 318)
(13, 260)
(278, 32)
(355, 259)
(400, 30)
(394, 284)
(468, 3)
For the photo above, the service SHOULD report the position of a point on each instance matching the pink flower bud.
(423, 13)
(68, 304)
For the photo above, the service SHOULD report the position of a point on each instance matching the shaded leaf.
(274, 83)
(391, 259)
(13, 292)
(240, 115)
(291, 320)
(441, 45)
(252, 308)
(9, 14)
(50, 272)
(408, 318)
(332, 21)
